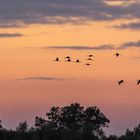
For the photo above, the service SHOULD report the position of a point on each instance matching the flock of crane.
(90, 58)
(68, 59)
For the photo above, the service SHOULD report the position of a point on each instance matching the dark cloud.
(131, 44)
(42, 78)
(134, 26)
(17, 13)
(6, 35)
(102, 47)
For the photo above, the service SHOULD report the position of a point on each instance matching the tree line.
(72, 122)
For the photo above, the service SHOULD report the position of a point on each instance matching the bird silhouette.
(57, 59)
(77, 61)
(138, 82)
(68, 57)
(117, 54)
(90, 55)
(68, 60)
(89, 59)
(88, 64)
(120, 82)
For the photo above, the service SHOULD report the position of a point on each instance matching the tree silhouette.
(23, 127)
(40, 125)
(40, 122)
(112, 137)
(76, 121)
(137, 131)
(72, 122)
(0, 125)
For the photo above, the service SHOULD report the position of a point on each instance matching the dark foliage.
(73, 122)
(129, 135)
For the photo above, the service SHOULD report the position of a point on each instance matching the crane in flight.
(57, 59)
(117, 54)
(77, 61)
(120, 82)
(88, 64)
(90, 55)
(67, 57)
(138, 82)
(90, 59)
(68, 60)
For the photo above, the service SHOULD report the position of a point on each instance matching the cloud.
(11, 24)
(6, 35)
(102, 47)
(131, 44)
(18, 13)
(42, 78)
(134, 26)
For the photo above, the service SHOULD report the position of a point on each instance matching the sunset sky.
(34, 32)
